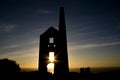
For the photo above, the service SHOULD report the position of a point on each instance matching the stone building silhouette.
(54, 42)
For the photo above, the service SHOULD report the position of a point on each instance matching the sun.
(51, 56)
(50, 65)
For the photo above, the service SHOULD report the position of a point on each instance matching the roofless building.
(53, 55)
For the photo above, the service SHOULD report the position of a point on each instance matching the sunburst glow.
(51, 56)
(50, 68)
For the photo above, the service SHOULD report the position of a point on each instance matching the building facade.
(53, 54)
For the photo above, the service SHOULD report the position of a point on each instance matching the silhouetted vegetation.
(9, 69)
(7, 65)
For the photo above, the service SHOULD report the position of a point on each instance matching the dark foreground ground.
(114, 75)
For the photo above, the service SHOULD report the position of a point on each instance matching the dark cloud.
(7, 27)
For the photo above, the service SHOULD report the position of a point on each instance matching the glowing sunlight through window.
(50, 68)
(51, 56)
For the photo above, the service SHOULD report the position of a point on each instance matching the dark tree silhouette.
(9, 66)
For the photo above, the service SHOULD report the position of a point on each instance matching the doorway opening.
(50, 65)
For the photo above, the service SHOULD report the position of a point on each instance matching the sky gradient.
(93, 30)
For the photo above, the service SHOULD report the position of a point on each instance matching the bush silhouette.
(9, 66)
